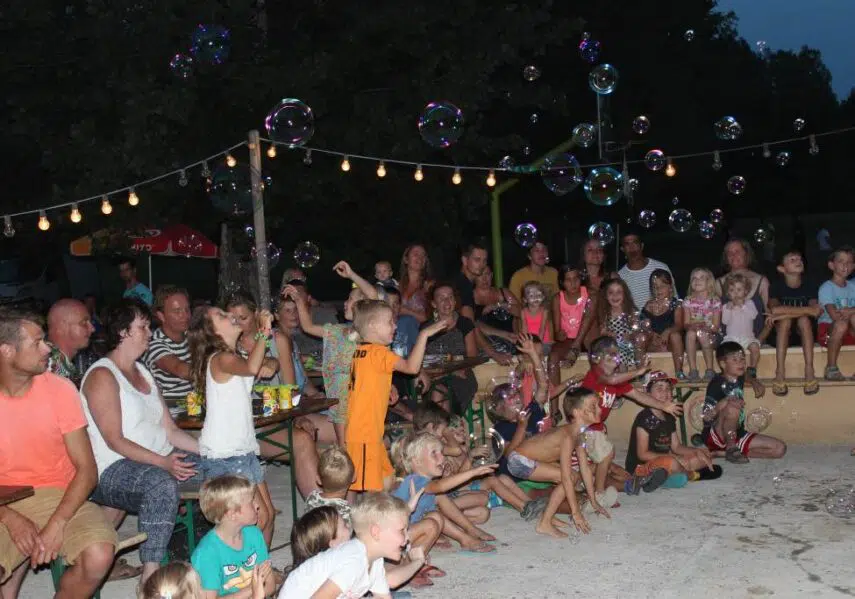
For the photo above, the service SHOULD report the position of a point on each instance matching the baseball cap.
(658, 375)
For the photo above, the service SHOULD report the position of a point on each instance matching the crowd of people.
(101, 439)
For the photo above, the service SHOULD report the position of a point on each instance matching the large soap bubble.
(604, 186)
(655, 160)
(211, 44)
(584, 134)
(441, 124)
(603, 79)
(561, 173)
(681, 220)
(525, 235)
(306, 254)
(728, 129)
(602, 233)
(291, 122)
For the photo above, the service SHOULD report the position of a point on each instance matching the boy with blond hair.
(356, 566)
(336, 472)
(229, 553)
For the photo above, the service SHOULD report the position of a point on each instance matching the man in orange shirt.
(45, 445)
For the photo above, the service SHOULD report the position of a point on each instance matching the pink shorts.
(715, 443)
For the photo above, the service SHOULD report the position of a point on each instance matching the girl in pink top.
(568, 311)
(536, 319)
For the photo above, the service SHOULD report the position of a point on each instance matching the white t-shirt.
(346, 566)
(638, 281)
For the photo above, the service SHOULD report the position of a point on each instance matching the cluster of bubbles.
(602, 233)
(584, 134)
(589, 49)
(840, 502)
(209, 45)
(603, 79)
(525, 234)
(291, 122)
(728, 129)
(604, 186)
(441, 124)
(561, 173)
(273, 254)
(307, 254)
(641, 124)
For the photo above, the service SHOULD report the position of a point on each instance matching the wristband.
(262, 336)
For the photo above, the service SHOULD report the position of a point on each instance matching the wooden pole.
(258, 221)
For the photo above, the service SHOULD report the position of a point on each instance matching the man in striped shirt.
(168, 355)
(636, 271)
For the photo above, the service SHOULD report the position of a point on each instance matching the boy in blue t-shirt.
(837, 297)
(226, 557)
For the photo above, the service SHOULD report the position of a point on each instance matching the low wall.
(825, 418)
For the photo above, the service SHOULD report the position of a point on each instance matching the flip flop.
(780, 389)
(811, 387)
(122, 570)
(431, 572)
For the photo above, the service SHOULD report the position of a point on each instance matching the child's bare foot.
(476, 546)
(759, 388)
(442, 543)
(547, 528)
(484, 536)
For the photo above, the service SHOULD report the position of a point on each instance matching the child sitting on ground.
(610, 385)
(177, 580)
(547, 457)
(837, 297)
(724, 413)
(423, 460)
(229, 553)
(336, 472)
(356, 567)
(654, 443)
(793, 300)
(738, 316)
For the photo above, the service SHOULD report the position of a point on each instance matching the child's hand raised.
(343, 270)
(525, 343)
(264, 320)
(435, 327)
(298, 295)
(415, 496)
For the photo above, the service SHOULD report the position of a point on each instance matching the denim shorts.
(520, 466)
(246, 465)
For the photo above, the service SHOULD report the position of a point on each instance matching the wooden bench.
(58, 566)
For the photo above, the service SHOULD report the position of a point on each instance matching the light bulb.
(76, 217)
(457, 178)
(418, 175)
(381, 170)
(206, 170)
(716, 161)
(8, 229)
(345, 163)
(230, 160)
(133, 198)
(491, 179)
(44, 223)
(767, 153)
(182, 178)
(271, 151)
(814, 148)
(670, 170)
(106, 206)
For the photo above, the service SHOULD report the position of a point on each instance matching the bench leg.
(293, 475)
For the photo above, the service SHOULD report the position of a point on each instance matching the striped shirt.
(638, 281)
(173, 388)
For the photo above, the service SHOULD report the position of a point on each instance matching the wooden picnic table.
(446, 368)
(13, 494)
(267, 426)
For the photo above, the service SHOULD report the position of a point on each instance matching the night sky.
(825, 25)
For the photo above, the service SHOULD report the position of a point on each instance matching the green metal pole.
(496, 214)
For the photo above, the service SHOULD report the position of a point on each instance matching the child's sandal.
(781, 389)
(832, 373)
(811, 387)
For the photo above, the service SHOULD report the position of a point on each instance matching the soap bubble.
(504, 401)
(604, 186)
(700, 413)
(681, 220)
(211, 44)
(249, 231)
(758, 420)
(675, 200)
(584, 134)
(841, 502)
(291, 122)
(764, 235)
(273, 254)
(632, 185)
(525, 235)
(717, 216)
(602, 233)
(507, 162)
(441, 124)
(762, 48)
(689, 35)
(534, 118)
(561, 173)
(531, 73)
(589, 50)
(231, 190)
(798, 124)
(736, 185)
(641, 124)
(306, 254)
(181, 66)
(710, 335)
(706, 229)
(655, 160)
(603, 79)
(728, 129)
(647, 218)
(783, 158)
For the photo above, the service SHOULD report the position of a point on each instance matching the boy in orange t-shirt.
(370, 388)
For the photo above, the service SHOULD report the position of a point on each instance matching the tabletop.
(12, 494)
(307, 406)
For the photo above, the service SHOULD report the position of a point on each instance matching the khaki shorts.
(87, 526)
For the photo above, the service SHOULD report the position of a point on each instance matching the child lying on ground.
(654, 443)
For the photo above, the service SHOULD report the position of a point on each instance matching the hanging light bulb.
(814, 148)
(76, 217)
(182, 178)
(491, 179)
(381, 170)
(133, 198)
(767, 153)
(8, 229)
(345, 162)
(670, 169)
(271, 151)
(457, 178)
(44, 223)
(230, 160)
(206, 170)
(106, 207)
(418, 175)
(716, 161)
(307, 159)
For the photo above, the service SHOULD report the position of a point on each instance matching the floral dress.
(338, 357)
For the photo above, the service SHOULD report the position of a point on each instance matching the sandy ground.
(761, 530)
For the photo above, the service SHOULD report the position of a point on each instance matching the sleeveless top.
(229, 430)
(535, 323)
(142, 417)
(273, 352)
(572, 314)
(661, 322)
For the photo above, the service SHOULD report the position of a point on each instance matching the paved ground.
(759, 531)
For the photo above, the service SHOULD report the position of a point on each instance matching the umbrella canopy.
(174, 240)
